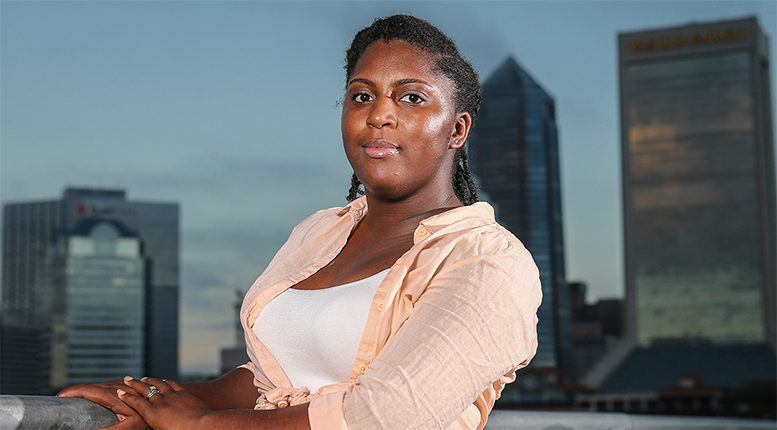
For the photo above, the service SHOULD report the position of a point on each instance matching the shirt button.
(282, 403)
(362, 368)
(422, 231)
(400, 260)
(380, 307)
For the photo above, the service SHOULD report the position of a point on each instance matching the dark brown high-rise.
(698, 183)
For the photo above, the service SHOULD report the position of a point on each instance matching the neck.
(389, 218)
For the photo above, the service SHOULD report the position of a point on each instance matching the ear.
(460, 130)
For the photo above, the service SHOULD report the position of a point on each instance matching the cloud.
(216, 171)
(207, 322)
(235, 252)
(217, 262)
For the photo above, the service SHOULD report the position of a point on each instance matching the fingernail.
(128, 378)
(120, 392)
(144, 379)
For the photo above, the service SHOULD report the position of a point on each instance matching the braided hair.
(449, 62)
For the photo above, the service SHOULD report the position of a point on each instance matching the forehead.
(399, 59)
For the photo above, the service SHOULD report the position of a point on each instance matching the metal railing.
(532, 420)
(44, 412)
(48, 412)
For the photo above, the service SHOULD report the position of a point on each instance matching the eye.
(412, 98)
(361, 97)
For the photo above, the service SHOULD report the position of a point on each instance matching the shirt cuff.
(326, 412)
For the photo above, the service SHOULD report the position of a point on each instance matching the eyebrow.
(400, 82)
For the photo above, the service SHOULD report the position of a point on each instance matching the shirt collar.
(358, 208)
(444, 219)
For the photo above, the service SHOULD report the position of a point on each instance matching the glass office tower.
(30, 234)
(514, 154)
(98, 277)
(698, 183)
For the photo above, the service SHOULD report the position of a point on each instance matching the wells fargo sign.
(92, 209)
(692, 39)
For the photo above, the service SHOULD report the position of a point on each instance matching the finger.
(137, 403)
(139, 387)
(160, 384)
(101, 395)
(133, 423)
(174, 385)
(74, 391)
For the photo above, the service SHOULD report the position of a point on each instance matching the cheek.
(346, 128)
(352, 120)
(437, 129)
(344, 122)
(437, 126)
(349, 132)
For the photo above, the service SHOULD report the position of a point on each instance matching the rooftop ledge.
(36, 412)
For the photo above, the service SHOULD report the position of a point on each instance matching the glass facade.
(26, 302)
(699, 247)
(514, 154)
(99, 322)
(35, 268)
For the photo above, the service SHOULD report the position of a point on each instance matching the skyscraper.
(699, 221)
(63, 261)
(698, 183)
(514, 154)
(97, 272)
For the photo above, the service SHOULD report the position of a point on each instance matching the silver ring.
(151, 391)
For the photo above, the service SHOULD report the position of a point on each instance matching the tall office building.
(97, 273)
(698, 183)
(699, 222)
(67, 263)
(514, 154)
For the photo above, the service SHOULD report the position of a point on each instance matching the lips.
(380, 149)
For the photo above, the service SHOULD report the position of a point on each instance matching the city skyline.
(94, 277)
(213, 104)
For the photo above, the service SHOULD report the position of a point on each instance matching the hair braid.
(355, 191)
(463, 184)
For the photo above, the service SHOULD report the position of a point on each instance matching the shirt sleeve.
(475, 324)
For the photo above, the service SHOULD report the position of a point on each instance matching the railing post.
(47, 412)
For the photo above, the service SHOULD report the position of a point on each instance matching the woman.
(435, 300)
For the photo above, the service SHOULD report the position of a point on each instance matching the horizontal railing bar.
(36, 412)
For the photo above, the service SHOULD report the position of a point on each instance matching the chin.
(387, 192)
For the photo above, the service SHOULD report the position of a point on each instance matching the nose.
(382, 113)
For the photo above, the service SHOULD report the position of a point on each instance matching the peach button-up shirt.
(448, 327)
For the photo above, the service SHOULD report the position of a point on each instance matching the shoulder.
(323, 220)
(314, 233)
(472, 232)
(318, 219)
(476, 259)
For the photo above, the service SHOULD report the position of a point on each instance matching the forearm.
(291, 418)
(202, 390)
(233, 390)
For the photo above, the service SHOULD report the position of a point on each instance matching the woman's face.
(399, 123)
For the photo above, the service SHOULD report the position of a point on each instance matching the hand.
(171, 407)
(105, 394)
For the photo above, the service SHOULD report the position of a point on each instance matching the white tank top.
(314, 334)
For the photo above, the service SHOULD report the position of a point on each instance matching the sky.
(232, 110)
